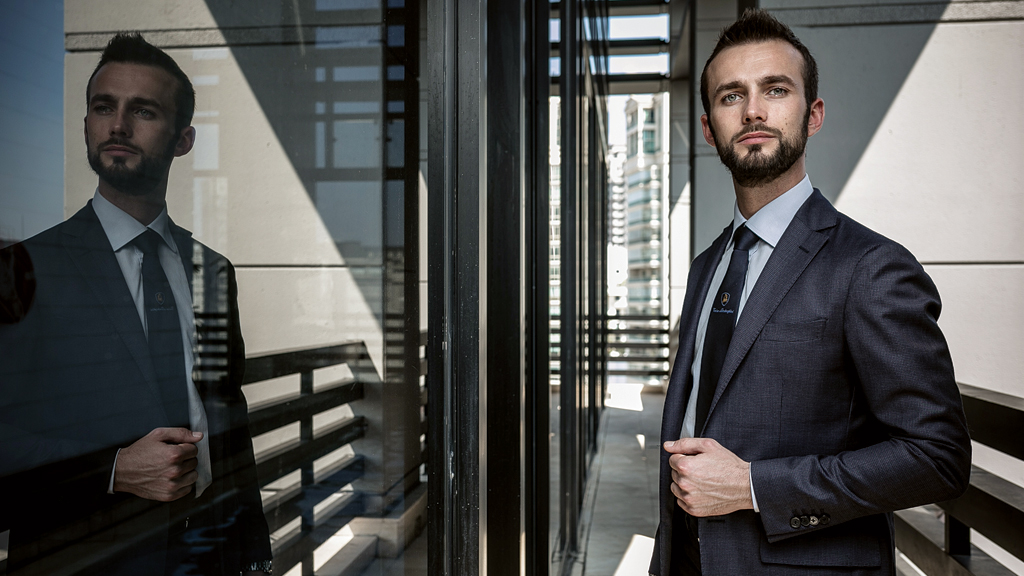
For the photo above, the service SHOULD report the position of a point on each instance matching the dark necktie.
(721, 323)
(164, 329)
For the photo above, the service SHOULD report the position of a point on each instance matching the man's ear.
(186, 140)
(816, 118)
(705, 127)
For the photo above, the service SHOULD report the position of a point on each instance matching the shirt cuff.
(753, 497)
(110, 486)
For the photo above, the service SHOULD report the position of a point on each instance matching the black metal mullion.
(537, 245)
(568, 345)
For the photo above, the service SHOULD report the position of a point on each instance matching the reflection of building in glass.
(618, 258)
(647, 183)
(555, 243)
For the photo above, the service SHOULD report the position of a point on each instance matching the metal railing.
(636, 346)
(992, 506)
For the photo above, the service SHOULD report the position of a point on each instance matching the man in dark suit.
(813, 392)
(124, 443)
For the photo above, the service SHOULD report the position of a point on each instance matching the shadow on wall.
(334, 89)
(861, 70)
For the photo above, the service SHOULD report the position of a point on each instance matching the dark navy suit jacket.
(77, 383)
(838, 388)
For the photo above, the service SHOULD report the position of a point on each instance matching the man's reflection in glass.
(124, 446)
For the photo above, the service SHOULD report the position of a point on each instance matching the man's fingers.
(176, 435)
(179, 493)
(690, 446)
(188, 465)
(186, 451)
(188, 479)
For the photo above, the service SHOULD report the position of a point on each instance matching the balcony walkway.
(623, 495)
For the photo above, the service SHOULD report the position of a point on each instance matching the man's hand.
(159, 466)
(707, 479)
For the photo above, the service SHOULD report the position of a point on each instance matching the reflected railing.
(306, 482)
(309, 481)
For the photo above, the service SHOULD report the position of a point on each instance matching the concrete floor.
(624, 512)
(621, 505)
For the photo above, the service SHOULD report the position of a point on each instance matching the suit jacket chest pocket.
(800, 331)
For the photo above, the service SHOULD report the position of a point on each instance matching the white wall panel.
(943, 172)
(983, 320)
(305, 307)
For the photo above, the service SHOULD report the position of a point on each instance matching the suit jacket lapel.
(89, 249)
(799, 245)
(678, 392)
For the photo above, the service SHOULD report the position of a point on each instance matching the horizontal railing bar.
(305, 499)
(994, 507)
(995, 419)
(637, 372)
(920, 536)
(298, 407)
(638, 318)
(304, 546)
(618, 345)
(275, 365)
(284, 459)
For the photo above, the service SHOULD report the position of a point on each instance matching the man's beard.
(137, 181)
(759, 167)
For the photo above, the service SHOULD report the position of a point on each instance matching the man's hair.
(756, 25)
(132, 48)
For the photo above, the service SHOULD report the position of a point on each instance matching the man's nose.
(756, 111)
(122, 124)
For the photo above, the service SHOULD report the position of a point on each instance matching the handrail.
(992, 506)
(636, 351)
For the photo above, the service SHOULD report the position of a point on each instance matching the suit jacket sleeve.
(913, 447)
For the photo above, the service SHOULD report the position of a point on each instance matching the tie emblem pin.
(725, 298)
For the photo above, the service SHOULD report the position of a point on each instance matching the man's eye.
(101, 109)
(730, 98)
(145, 113)
(777, 91)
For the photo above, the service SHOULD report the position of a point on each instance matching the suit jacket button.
(794, 522)
(805, 521)
(814, 520)
(824, 519)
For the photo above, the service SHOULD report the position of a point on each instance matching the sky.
(623, 27)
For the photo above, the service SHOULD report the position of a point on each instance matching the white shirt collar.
(121, 228)
(771, 221)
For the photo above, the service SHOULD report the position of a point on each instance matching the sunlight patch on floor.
(637, 558)
(625, 397)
